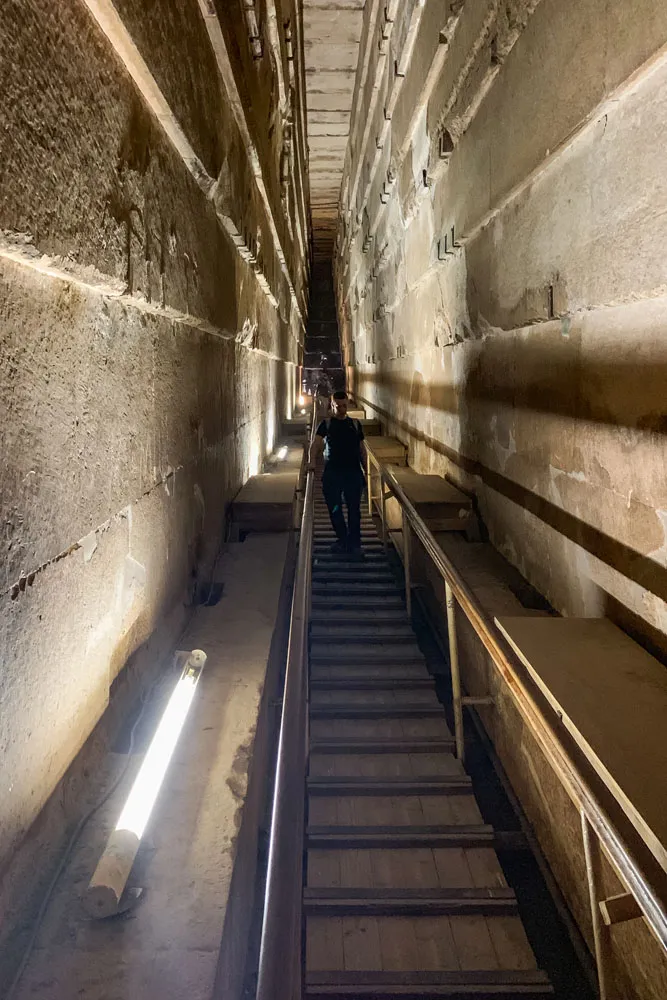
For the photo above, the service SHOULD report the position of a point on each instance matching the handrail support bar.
(455, 672)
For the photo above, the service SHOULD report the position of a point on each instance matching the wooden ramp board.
(265, 502)
(612, 697)
(387, 449)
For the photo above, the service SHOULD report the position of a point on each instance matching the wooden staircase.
(404, 896)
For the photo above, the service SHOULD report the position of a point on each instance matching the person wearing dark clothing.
(340, 439)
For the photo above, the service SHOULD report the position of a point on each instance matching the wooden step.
(322, 547)
(334, 785)
(343, 602)
(327, 538)
(380, 652)
(409, 902)
(361, 745)
(335, 589)
(521, 984)
(374, 543)
(381, 672)
(386, 632)
(350, 710)
(370, 683)
(353, 615)
(328, 558)
(404, 837)
(356, 573)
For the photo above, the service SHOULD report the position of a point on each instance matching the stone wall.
(151, 319)
(502, 292)
(508, 311)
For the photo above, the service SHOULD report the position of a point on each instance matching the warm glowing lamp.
(107, 885)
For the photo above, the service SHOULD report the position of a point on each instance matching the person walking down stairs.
(340, 439)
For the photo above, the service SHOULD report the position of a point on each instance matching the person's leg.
(352, 488)
(332, 488)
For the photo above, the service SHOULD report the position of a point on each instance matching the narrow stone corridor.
(213, 216)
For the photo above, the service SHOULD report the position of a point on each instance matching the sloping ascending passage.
(405, 896)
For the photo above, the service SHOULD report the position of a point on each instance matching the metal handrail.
(280, 966)
(280, 963)
(594, 816)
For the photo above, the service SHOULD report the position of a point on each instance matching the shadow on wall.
(536, 378)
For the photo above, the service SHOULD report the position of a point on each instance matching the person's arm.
(316, 448)
(362, 444)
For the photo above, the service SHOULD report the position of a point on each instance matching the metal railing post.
(455, 672)
(369, 484)
(406, 563)
(383, 509)
(600, 930)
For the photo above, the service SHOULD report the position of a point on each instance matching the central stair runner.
(405, 896)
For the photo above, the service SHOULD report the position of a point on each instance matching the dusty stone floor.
(168, 946)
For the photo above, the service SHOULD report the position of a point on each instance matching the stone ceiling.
(332, 29)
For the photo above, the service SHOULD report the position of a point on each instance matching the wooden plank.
(474, 947)
(348, 632)
(591, 672)
(324, 944)
(361, 943)
(364, 745)
(355, 901)
(344, 601)
(369, 655)
(392, 786)
(435, 941)
(355, 870)
(484, 867)
(378, 695)
(510, 943)
(452, 868)
(618, 909)
(355, 837)
(398, 944)
(519, 983)
(370, 710)
(391, 765)
(324, 869)
(370, 682)
(404, 869)
(381, 729)
(375, 671)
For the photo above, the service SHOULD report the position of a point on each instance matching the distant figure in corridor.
(340, 438)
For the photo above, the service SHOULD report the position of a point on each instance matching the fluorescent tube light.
(108, 883)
